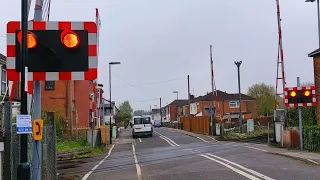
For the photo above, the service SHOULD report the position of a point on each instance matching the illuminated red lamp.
(31, 39)
(70, 39)
(293, 94)
(307, 93)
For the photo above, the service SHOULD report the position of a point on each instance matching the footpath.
(308, 157)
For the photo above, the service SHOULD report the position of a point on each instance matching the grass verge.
(78, 148)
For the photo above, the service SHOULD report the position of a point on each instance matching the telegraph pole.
(238, 64)
(189, 95)
(160, 112)
(23, 171)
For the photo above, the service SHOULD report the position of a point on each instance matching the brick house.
(226, 104)
(175, 109)
(71, 100)
(316, 66)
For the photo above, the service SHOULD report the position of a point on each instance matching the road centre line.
(242, 167)
(167, 141)
(232, 168)
(170, 140)
(95, 167)
(136, 163)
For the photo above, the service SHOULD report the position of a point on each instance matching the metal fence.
(11, 140)
(49, 164)
(311, 138)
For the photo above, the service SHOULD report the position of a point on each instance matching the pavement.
(175, 155)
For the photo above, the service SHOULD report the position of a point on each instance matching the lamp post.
(110, 64)
(238, 64)
(318, 12)
(176, 92)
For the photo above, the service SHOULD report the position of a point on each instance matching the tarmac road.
(175, 156)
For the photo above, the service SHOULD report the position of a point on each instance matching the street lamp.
(176, 92)
(318, 12)
(110, 64)
(238, 64)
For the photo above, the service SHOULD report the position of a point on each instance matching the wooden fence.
(198, 125)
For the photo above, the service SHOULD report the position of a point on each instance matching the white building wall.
(193, 108)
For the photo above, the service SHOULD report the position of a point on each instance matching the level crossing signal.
(300, 96)
(56, 51)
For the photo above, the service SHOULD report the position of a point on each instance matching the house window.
(49, 85)
(3, 80)
(234, 104)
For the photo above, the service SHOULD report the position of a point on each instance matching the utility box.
(114, 131)
(279, 130)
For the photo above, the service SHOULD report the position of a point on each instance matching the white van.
(141, 126)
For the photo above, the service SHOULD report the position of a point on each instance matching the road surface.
(171, 155)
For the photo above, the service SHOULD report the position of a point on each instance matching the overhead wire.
(137, 85)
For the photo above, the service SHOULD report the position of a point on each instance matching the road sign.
(300, 96)
(57, 51)
(24, 125)
(37, 129)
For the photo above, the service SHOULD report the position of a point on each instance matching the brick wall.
(56, 100)
(173, 112)
(316, 66)
(82, 102)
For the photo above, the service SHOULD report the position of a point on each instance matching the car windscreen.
(142, 120)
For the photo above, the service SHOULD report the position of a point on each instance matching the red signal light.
(307, 93)
(70, 39)
(31, 39)
(293, 94)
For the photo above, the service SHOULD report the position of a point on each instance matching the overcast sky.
(160, 42)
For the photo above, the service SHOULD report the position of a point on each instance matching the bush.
(308, 116)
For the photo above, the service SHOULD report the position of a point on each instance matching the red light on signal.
(31, 39)
(70, 39)
(293, 94)
(307, 93)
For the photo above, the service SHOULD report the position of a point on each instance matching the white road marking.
(256, 148)
(167, 141)
(136, 162)
(232, 168)
(312, 161)
(242, 167)
(140, 140)
(95, 167)
(212, 138)
(171, 140)
(157, 133)
(202, 139)
(165, 137)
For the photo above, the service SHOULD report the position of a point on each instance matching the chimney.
(191, 96)
(316, 67)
